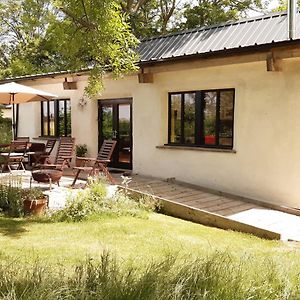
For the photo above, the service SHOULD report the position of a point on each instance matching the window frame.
(56, 117)
(199, 119)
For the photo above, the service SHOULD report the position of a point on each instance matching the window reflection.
(189, 118)
(226, 118)
(56, 118)
(209, 118)
(175, 119)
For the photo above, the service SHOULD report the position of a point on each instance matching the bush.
(94, 201)
(12, 195)
(11, 201)
(5, 131)
(215, 277)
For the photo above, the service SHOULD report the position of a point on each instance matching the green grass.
(129, 238)
(157, 257)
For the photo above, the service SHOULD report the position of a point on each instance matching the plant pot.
(79, 162)
(35, 207)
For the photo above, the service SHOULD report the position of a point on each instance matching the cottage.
(216, 107)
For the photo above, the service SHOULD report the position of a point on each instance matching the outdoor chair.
(15, 156)
(99, 164)
(63, 156)
(39, 156)
(51, 172)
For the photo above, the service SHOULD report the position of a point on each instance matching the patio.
(189, 202)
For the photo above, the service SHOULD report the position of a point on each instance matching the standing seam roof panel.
(256, 31)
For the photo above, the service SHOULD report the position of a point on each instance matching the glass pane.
(209, 115)
(52, 118)
(124, 133)
(61, 118)
(189, 118)
(68, 115)
(107, 122)
(45, 118)
(226, 118)
(175, 119)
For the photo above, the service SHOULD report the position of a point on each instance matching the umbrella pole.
(14, 117)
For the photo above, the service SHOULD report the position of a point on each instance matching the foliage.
(5, 131)
(217, 276)
(94, 201)
(12, 195)
(32, 194)
(26, 44)
(42, 35)
(210, 12)
(81, 150)
(11, 200)
(95, 34)
(283, 5)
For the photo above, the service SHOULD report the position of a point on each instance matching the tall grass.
(215, 277)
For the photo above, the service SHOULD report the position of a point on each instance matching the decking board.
(216, 209)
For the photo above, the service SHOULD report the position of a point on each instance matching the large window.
(56, 118)
(202, 118)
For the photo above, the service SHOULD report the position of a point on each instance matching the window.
(201, 118)
(56, 118)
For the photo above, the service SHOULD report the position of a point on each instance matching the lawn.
(150, 257)
(130, 238)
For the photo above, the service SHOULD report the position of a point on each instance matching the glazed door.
(115, 122)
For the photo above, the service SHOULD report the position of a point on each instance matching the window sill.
(196, 148)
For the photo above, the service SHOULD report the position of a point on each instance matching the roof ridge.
(223, 24)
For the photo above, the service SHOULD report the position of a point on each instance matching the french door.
(115, 123)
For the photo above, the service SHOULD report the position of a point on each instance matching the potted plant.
(81, 151)
(34, 201)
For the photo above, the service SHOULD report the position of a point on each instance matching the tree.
(43, 35)
(25, 46)
(209, 12)
(95, 34)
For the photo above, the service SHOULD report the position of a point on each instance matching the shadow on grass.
(14, 227)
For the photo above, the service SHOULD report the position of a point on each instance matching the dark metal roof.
(262, 30)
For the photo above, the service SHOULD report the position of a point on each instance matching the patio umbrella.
(14, 93)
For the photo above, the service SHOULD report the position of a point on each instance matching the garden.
(103, 246)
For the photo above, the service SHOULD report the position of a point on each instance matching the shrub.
(5, 131)
(11, 201)
(81, 150)
(12, 195)
(95, 201)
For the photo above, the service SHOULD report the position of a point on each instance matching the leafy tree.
(283, 5)
(25, 44)
(209, 12)
(95, 34)
(49, 35)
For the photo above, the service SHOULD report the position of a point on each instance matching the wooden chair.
(39, 157)
(15, 156)
(64, 155)
(99, 164)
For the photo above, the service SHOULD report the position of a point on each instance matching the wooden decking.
(215, 209)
